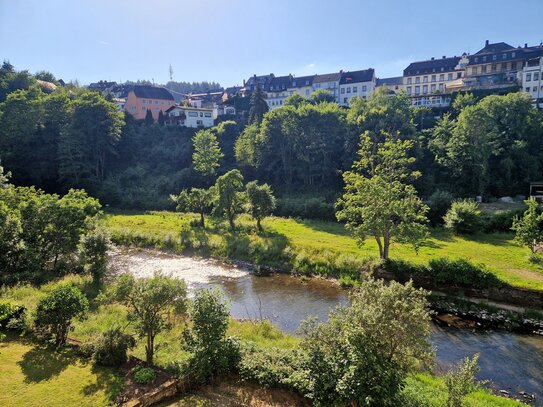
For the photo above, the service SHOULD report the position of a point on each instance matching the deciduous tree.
(207, 153)
(230, 198)
(196, 200)
(529, 228)
(261, 201)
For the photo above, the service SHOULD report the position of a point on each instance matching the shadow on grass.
(43, 362)
(107, 380)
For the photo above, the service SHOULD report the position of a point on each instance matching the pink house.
(143, 98)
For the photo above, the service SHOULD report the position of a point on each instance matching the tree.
(295, 100)
(196, 200)
(207, 153)
(94, 247)
(46, 76)
(258, 106)
(247, 147)
(230, 199)
(365, 351)
(322, 96)
(461, 101)
(261, 201)
(149, 117)
(460, 381)
(161, 118)
(377, 199)
(4, 178)
(212, 352)
(150, 302)
(55, 311)
(529, 228)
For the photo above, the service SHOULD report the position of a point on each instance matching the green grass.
(285, 237)
(33, 375)
(425, 390)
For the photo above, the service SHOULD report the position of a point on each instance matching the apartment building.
(189, 116)
(356, 84)
(142, 98)
(532, 80)
(328, 82)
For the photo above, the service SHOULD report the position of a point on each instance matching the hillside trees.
(258, 106)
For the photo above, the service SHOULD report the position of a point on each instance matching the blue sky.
(227, 41)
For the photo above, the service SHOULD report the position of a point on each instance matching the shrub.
(439, 203)
(11, 316)
(460, 381)
(93, 252)
(306, 208)
(111, 347)
(144, 375)
(500, 221)
(462, 272)
(55, 311)
(463, 217)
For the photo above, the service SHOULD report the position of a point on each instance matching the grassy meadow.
(288, 242)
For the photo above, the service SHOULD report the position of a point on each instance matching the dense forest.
(73, 138)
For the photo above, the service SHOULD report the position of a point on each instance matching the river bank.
(511, 361)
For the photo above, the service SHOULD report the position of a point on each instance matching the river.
(512, 362)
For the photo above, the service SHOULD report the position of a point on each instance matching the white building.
(278, 91)
(357, 83)
(532, 80)
(328, 82)
(189, 116)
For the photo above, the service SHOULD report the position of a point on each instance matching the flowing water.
(512, 362)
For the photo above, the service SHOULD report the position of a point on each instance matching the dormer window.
(476, 59)
(504, 55)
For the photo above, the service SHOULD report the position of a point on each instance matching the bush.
(306, 208)
(93, 252)
(462, 272)
(11, 316)
(463, 217)
(111, 347)
(460, 381)
(144, 375)
(501, 221)
(439, 203)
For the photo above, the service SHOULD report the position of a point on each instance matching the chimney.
(431, 59)
(444, 57)
(486, 43)
(525, 45)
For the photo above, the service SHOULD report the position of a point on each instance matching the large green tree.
(196, 200)
(378, 200)
(260, 200)
(207, 153)
(229, 196)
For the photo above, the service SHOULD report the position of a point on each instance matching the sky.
(227, 41)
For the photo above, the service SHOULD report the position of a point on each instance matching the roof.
(434, 65)
(302, 81)
(396, 80)
(496, 47)
(365, 75)
(152, 92)
(188, 108)
(328, 77)
(281, 82)
(501, 51)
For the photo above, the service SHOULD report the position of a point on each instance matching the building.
(101, 86)
(328, 82)
(119, 102)
(357, 83)
(278, 91)
(250, 84)
(394, 84)
(532, 80)
(497, 66)
(426, 81)
(142, 98)
(189, 116)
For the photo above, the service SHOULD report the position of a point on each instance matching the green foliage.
(11, 316)
(295, 100)
(207, 153)
(149, 118)
(529, 228)
(229, 196)
(463, 217)
(460, 381)
(111, 347)
(150, 302)
(462, 272)
(93, 251)
(144, 375)
(439, 203)
(247, 145)
(322, 96)
(213, 353)
(363, 354)
(377, 200)
(305, 208)
(258, 106)
(261, 201)
(56, 311)
(196, 200)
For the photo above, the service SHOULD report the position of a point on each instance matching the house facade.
(328, 82)
(189, 116)
(356, 84)
(393, 84)
(532, 80)
(142, 98)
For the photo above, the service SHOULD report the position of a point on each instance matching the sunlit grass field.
(497, 251)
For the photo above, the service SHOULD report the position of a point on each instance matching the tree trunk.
(149, 348)
(386, 246)
(381, 253)
(232, 225)
(202, 222)
(258, 225)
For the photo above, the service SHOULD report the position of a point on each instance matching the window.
(528, 89)
(484, 59)
(143, 108)
(504, 55)
(536, 76)
(345, 100)
(355, 89)
(417, 90)
(342, 91)
(409, 81)
(441, 87)
(513, 54)
(449, 77)
(199, 123)
(417, 79)
(433, 88)
(528, 77)
(409, 90)
(349, 89)
(494, 57)
(476, 59)
(534, 89)
(483, 68)
(143, 101)
(208, 115)
(433, 78)
(442, 77)
(156, 102)
(494, 68)
(425, 79)
(193, 114)
(425, 89)
(364, 88)
(201, 114)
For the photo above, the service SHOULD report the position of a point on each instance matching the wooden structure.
(536, 190)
